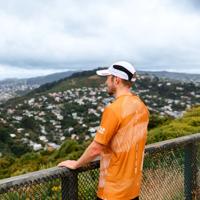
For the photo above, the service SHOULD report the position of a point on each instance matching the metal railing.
(171, 172)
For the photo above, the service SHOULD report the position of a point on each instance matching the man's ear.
(117, 80)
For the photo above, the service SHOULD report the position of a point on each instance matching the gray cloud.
(48, 35)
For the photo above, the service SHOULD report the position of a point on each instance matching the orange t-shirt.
(123, 131)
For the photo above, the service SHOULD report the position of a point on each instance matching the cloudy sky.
(44, 36)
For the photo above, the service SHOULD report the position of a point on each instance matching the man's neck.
(121, 92)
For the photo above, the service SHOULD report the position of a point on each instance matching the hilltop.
(71, 108)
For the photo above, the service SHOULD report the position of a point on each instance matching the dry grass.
(162, 184)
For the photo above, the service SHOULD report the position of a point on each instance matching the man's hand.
(72, 164)
(93, 150)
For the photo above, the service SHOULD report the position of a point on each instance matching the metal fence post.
(190, 171)
(69, 186)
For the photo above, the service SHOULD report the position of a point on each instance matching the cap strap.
(123, 69)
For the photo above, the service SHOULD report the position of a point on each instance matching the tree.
(4, 135)
(29, 123)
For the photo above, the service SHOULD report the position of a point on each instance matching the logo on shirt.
(101, 130)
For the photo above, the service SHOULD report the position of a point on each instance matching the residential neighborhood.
(45, 121)
(14, 89)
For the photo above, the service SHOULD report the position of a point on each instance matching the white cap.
(121, 69)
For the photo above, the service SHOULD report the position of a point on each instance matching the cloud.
(74, 34)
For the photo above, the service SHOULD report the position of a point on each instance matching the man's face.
(111, 88)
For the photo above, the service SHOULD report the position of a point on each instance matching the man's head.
(121, 69)
(120, 74)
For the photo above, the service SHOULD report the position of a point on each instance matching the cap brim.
(103, 72)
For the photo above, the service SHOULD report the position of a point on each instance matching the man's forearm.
(90, 154)
(93, 150)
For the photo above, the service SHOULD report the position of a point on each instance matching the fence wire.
(198, 171)
(167, 175)
(87, 182)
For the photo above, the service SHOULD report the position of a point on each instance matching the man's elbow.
(96, 152)
(97, 149)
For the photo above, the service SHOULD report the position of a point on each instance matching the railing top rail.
(37, 176)
(172, 143)
(32, 177)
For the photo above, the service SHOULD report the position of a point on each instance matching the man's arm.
(92, 151)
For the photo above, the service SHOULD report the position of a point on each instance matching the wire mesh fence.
(171, 172)
(163, 175)
(45, 191)
(48, 190)
(90, 180)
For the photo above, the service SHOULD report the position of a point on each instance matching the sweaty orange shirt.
(123, 131)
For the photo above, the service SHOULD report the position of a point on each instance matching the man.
(120, 139)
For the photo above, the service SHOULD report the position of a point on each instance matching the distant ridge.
(186, 77)
(13, 87)
(40, 80)
(50, 78)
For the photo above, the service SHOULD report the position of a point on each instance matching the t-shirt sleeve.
(108, 127)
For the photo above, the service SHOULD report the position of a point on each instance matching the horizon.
(51, 72)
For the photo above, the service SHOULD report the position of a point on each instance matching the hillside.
(186, 125)
(71, 109)
(72, 149)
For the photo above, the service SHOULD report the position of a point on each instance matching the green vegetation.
(8, 145)
(156, 120)
(186, 125)
(12, 166)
